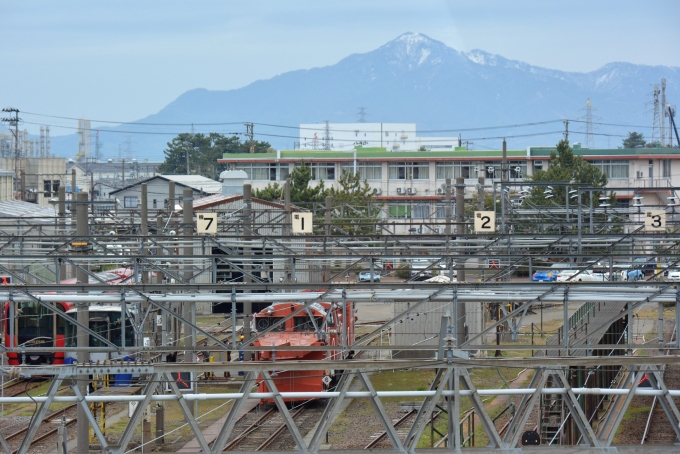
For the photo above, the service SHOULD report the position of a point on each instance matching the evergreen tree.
(354, 209)
(634, 140)
(204, 150)
(300, 190)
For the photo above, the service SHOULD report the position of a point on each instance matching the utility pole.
(83, 317)
(460, 308)
(186, 153)
(92, 189)
(251, 135)
(504, 163)
(189, 309)
(14, 121)
(566, 130)
(460, 221)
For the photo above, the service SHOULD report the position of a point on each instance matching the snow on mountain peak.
(412, 50)
(482, 58)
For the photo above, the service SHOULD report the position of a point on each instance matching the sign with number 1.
(485, 221)
(655, 220)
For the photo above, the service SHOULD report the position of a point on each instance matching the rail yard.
(130, 337)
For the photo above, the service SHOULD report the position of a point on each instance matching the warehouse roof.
(197, 182)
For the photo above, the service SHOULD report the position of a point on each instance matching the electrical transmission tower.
(97, 147)
(589, 125)
(14, 121)
(362, 115)
(327, 137)
(663, 112)
(656, 122)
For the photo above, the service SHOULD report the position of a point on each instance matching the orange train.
(323, 325)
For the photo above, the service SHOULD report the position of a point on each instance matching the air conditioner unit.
(440, 191)
(411, 191)
(436, 230)
(377, 191)
(400, 191)
(639, 174)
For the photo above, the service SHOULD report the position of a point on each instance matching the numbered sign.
(302, 223)
(485, 221)
(206, 223)
(655, 220)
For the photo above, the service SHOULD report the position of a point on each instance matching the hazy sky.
(124, 60)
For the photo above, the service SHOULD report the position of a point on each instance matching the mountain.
(415, 79)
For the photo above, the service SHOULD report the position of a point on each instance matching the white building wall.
(392, 136)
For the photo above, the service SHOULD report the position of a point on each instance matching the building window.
(440, 210)
(400, 210)
(366, 170)
(420, 210)
(453, 170)
(492, 170)
(517, 169)
(409, 171)
(264, 171)
(155, 203)
(322, 171)
(612, 169)
(666, 168)
(538, 165)
(405, 210)
(51, 188)
(130, 202)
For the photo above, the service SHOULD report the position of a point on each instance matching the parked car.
(365, 276)
(584, 276)
(674, 275)
(632, 275)
(541, 276)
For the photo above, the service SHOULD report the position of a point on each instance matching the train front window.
(33, 321)
(116, 332)
(107, 325)
(101, 326)
(262, 323)
(305, 323)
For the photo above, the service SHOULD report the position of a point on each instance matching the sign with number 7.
(206, 223)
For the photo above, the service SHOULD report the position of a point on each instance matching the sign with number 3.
(655, 220)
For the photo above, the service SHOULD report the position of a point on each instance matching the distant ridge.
(412, 79)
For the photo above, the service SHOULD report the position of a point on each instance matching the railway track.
(658, 428)
(45, 430)
(20, 386)
(259, 431)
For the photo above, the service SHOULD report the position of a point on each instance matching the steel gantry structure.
(175, 270)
